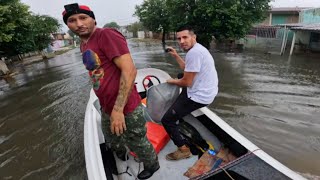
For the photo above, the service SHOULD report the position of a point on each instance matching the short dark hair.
(185, 27)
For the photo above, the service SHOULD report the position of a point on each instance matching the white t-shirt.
(205, 84)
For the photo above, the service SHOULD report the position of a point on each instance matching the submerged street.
(272, 100)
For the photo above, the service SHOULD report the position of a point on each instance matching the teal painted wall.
(284, 19)
(279, 19)
(280, 34)
(310, 16)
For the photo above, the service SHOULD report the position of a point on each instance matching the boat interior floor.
(168, 169)
(245, 166)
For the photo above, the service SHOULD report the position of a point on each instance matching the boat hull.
(93, 138)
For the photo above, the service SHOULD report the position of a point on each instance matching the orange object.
(144, 101)
(157, 136)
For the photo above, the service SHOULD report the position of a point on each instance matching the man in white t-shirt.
(200, 86)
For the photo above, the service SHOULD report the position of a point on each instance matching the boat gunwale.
(98, 170)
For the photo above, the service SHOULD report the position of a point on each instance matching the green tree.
(9, 19)
(135, 27)
(154, 15)
(227, 19)
(75, 38)
(14, 29)
(72, 34)
(112, 25)
(42, 28)
(22, 32)
(7, 25)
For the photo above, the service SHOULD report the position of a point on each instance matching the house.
(60, 40)
(307, 32)
(124, 31)
(58, 36)
(284, 27)
(282, 16)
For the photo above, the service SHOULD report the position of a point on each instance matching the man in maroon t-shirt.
(107, 58)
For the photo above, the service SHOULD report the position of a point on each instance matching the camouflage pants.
(134, 137)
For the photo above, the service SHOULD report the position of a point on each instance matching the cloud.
(295, 3)
(120, 11)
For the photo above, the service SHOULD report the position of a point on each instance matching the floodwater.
(272, 100)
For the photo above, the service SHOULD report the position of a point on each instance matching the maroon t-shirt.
(108, 44)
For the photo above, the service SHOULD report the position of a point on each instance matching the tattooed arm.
(128, 75)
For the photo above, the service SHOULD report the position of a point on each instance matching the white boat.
(250, 163)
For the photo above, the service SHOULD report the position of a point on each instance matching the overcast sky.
(294, 3)
(121, 11)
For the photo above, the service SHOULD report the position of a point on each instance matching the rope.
(226, 156)
(129, 167)
(126, 172)
(138, 170)
(227, 173)
(230, 162)
(135, 159)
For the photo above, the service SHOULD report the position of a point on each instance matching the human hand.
(171, 51)
(117, 123)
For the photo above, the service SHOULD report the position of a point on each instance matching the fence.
(268, 39)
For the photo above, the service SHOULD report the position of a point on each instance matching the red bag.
(157, 136)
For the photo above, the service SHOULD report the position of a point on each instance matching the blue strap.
(217, 163)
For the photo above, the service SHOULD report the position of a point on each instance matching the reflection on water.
(11, 81)
(42, 120)
(272, 100)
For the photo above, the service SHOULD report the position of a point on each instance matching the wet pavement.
(272, 100)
